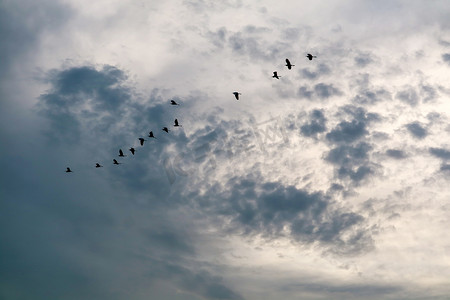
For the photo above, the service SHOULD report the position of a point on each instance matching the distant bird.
(115, 162)
(165, 129)
(68, 170)
(172, 102)
(236, 94)
(288, 64)
(132, 150)
(141, 140)
(275, 75)
(150, 135)
(97, 165)
(310, 56)
(121, 153)
(176, 123)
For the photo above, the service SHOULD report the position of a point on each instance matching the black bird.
(165, 129)
(288, 64)
(176, 123)
(132, 150)
(115, 162)
(172, 102)
(97, 165)
(275, 75)
(236, 94)
(141, 140)
(68, 170)
(310, 56)
(150, 135)
(121, 153)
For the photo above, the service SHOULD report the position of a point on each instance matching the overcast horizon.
(330, 182)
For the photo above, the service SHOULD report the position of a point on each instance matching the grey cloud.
(371, 97)
(349, 155)
(356, 174)
(363, 60)
(17, 36)
(304, 92)
(446, 58)
(322, 69)
(440, 153)
(408, 95)
(316, 125)
(326, 90)
(250, 42)
(397, 154)
(445, 167)
(347, 132)
(267, 208)
(417, 130)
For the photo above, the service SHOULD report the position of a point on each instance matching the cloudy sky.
(329, 183)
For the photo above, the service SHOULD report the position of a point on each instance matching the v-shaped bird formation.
(275, 75)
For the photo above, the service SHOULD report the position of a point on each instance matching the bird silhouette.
(121, 153)
(176, 123)
(132, 150)
(97, 165)
(115, 162)
(172, 102)
(236, 94)
(165, 129)
(141, 140)
(310, 56)
(150, 135)
(288, 64)
(275, 75)
(68, 170)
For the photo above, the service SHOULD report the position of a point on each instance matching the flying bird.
(275, 75)
(310, 56)
(176, 123)
(172, 102)
(150, 135)
(141, 140)
(115, 162)
(132, 150)
(121, 153)
(288, 64)
(236, 94)
(97, 165)
(165, 129)
(68, 170)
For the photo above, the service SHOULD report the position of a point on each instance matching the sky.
(330, 182)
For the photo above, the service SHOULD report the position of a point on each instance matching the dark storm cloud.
(79, 94)
(316, 124)
(408, 95)
(267, 208)
(395, 153)
(417, 130)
